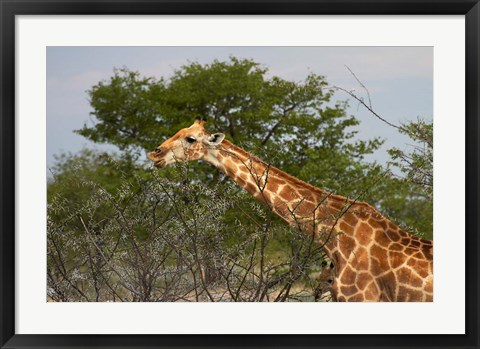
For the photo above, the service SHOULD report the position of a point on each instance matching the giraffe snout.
(156, 154)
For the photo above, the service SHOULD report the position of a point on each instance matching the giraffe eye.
(190, 139)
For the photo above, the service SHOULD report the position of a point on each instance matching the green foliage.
(398, 199)
(128, 108)
(76, 177)
(416, 185)
(417, 165)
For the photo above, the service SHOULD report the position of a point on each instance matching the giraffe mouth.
(159, 163)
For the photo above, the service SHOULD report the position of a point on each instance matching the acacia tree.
(293, 125)
(417, 165)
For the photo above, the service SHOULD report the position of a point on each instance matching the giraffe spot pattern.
(288, 194)
(377, 224)
(427, 252)
(305, 208)
(364, 234)
(348, 276)
(406, 294)
(372, 293)
(389, 281)
(429, 287)
(344, 226)
(272, 186)
(420, 267)
(392, 235)
(346, 244)
(396, 247)
(397, 259)
(357, 298)
(381, 238)
(379, 260)
(336, 205)
(361, 261)
(415, 243)
(363, 280)
(350, 219)
(405, 276)
(349, 290)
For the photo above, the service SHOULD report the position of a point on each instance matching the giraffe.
(373, 259)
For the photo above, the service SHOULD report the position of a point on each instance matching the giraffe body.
(373, 259)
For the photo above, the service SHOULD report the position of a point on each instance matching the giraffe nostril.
(158, 151)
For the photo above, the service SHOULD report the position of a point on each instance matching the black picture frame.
(11, 8)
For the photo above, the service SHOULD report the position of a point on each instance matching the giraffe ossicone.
(373, 259)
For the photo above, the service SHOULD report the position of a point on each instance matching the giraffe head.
(192, 143)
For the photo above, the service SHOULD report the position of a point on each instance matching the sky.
(399, 80)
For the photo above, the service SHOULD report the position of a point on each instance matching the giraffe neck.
(300, 204)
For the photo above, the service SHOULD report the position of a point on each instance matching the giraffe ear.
(215, 138)
(201, 121)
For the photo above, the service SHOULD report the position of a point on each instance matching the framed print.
(234, 174)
